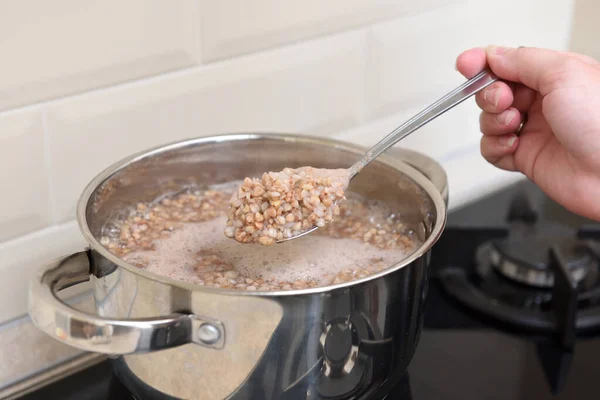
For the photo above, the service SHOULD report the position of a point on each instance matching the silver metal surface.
(529, 276)
(208, 334)
(452, 99)
(103, 335)
(271, 345)
(299, 235)
(424, 164)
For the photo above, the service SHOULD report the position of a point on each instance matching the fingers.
(527, 75)
(499, 143)
(499, 124)
(527, 65)
(495, 98)
(471, 62)
(523, 98)
(499, 150)
(498, 96)
(506, 163)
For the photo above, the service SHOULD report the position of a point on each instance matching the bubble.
(315, 258)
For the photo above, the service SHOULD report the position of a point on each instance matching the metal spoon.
(455, 97)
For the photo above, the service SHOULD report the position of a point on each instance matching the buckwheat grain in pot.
(180, 236)
(285, 204)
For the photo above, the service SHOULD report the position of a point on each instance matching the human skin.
(558, 147)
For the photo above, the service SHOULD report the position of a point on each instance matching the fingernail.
(508, 141)
(496, 50)
(506, 117)
(492, 96)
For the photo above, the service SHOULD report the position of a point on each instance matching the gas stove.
(512, 310)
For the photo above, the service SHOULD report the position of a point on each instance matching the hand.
(558, 147)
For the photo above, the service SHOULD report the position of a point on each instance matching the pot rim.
(418, 177)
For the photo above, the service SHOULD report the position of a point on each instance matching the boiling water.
(311, 258)
(181, 236)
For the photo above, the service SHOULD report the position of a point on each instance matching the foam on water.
(313, 257)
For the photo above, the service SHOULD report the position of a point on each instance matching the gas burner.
(563, 310)
(507, 279)
(527, 275)
(527, 260)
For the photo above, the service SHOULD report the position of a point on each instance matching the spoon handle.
(455, 97)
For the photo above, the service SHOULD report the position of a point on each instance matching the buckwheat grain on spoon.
(286, 204)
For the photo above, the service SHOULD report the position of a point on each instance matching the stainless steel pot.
(171, 339)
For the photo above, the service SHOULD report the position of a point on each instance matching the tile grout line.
(152, 78)
(31, 235)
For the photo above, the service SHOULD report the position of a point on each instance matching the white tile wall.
(469, 175)
(59, 47)
(313, 87)
(20, 258)
(438, 139)
(411, 63)
(473, 176)
(24, 178)
(411, 59)
(233, 27)
(84, 83)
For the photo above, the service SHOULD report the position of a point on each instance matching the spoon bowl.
(304, 233)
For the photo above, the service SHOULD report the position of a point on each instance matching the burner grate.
(534, 276)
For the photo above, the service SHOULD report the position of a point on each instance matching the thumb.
(527, 65)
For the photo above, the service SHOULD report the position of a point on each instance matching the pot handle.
(103, 335)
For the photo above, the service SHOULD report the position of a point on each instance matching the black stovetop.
(462, 354)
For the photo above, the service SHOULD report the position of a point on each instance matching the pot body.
(347, 343)
(170, 339)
